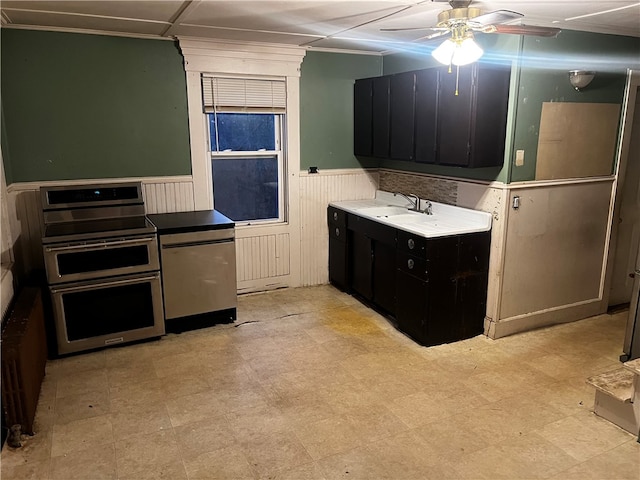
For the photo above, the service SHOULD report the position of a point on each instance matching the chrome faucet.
(415, 201)
(429, 208)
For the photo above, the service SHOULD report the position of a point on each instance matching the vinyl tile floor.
(310, 384)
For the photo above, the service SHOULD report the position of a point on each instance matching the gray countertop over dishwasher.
(180, 222)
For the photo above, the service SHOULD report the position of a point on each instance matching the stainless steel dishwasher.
(198, 272)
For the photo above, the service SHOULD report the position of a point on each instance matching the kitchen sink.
(416, 217)
(388, 211)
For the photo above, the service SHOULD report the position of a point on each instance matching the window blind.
(223, 94)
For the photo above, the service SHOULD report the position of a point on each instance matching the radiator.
(24, 355)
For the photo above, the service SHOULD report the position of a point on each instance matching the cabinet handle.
(411, 244)
(337, 232)
(335, 215)
(410, 264)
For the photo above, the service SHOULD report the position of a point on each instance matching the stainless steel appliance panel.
(98, 313)
(198, 272)
(100, 258)
(65, 197)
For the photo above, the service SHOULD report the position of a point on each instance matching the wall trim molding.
(487, 183)
(543, 318)
(559, 182)
(505, 186)
(84, 31)
(25, 186)
(220, 56)
(339, 171)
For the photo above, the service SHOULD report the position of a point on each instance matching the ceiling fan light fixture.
(444, 52)
(466, 52)
(458, 51)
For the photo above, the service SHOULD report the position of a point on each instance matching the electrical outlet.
(519, 158)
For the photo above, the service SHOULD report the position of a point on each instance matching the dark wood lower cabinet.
(338, 248)
(412, 307)
(361, 264)
(434, 288)
(338, 266)
(383, 278)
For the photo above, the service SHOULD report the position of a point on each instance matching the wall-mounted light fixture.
(580, 79)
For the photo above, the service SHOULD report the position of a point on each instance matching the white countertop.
(394, 211)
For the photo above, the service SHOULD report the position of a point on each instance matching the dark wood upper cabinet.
(402, 121)
(426, 115)
(363, 117)
(381, 108)
(433, 116)
(455, 109)
(472, 124)
(489, 122)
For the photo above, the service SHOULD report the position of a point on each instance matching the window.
(245, 119)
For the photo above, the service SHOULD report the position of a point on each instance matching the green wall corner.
(544, 66)
(80, 106)
(326, 108)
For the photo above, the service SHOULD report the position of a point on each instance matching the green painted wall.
(326, 108)
(544, 66)
(498, 49)
(88, 106)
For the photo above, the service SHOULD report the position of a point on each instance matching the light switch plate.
(519, 158)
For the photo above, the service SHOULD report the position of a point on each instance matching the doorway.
(624, 284)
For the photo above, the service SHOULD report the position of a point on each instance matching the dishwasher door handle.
(198, 243)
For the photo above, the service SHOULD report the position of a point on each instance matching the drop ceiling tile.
(241, 35)
(40, 19)
(143, 10)
(312, 17)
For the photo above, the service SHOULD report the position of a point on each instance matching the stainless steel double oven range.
(101, 259)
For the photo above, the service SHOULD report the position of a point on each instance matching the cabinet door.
(426, 115)
(338, 258)
(489, 116)
(402, 100)
(454, 116)
(411, 306)
(361, 263)
(381, 117)
(384, 276)
(363, 117)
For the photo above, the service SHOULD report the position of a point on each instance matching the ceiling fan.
(461, 20)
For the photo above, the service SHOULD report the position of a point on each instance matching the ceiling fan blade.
(496, 17)
(433, 35)
(412, 28)
(523, 30)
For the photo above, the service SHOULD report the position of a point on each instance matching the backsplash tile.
(434, 189)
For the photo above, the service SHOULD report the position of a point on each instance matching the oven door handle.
(115, 283)
(103, 244)
(197, 243)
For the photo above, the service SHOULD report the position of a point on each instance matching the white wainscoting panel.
(166, 197)
(264, 256)
(316, 191)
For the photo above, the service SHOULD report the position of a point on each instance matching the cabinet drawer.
(336, 232)
(412, 265)
(372, 229)
(412, 243)
(335, 216)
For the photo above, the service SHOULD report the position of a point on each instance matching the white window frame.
(279, 153)
(235, 59)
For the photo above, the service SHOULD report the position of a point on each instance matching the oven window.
(106, 259)
(108, 310)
